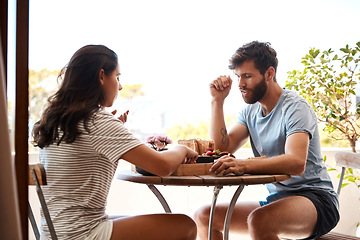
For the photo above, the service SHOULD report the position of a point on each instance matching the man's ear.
(270, 73)
(101, 76)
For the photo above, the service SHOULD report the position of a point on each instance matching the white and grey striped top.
(80, 174)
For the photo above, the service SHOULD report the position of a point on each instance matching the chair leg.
(44, 207)
(33, 223)
(341, 180)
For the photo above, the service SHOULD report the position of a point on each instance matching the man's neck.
(268, 102)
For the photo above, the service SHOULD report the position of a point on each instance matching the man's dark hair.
(263, 55)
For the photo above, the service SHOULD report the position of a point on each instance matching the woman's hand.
(228, 164)
(122, 117)
(191, 156)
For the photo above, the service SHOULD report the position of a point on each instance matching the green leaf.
(328, 81)
(345, 50)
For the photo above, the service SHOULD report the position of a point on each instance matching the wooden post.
(21, 109)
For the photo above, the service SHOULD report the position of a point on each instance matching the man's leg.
(292, 217)
(238, 222)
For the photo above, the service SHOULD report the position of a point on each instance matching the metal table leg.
(160, 197)
(212, 210)
(230, 211)
(216, 191)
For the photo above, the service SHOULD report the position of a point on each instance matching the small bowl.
(206, 159)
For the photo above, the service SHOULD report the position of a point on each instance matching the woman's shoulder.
(103, 114)
(103, 118)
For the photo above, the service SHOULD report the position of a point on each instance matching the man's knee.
(258, 219)
(259, 225)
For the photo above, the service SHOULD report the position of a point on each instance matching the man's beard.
(255, 94)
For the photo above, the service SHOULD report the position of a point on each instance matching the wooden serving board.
(183, 170)
(193, 169)
(199, 168)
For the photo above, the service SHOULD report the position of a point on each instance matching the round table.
(203, 180)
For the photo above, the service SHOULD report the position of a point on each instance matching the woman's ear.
(101, 76)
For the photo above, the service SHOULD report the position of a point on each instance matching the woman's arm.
(161, 163)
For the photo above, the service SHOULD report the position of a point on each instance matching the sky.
(176, 48)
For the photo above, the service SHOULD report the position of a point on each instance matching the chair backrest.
(37, 177)
(346, 160)
(40, 174)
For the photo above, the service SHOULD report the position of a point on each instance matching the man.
(282, 127)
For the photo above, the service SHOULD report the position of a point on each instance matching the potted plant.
(329, 82)
(158, 143)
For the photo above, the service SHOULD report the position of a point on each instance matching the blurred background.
(169, 51)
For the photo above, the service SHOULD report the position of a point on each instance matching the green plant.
(329, 82)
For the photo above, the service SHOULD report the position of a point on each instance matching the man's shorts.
(326, 204)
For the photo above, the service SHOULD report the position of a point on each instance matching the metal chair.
(344, 160)
(37, 178)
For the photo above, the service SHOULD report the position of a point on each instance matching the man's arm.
(293, 162)
(238, 135)
(226, 141)
(218, 130)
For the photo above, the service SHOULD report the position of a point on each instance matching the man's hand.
(220, 87)
(228, 164)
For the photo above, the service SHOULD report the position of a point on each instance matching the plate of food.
(207, 156)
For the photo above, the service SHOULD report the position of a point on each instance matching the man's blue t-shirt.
(268, 135)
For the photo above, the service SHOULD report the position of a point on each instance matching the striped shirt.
(80, 174)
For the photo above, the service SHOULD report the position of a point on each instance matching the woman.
(81, 145)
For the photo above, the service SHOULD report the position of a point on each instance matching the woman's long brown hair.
(78, 98)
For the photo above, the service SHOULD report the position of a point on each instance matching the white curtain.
(10, 227)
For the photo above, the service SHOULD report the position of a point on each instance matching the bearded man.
(282, 126)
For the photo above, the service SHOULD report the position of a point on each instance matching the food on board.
(205, 147)
(190, 143)
(198, 145)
